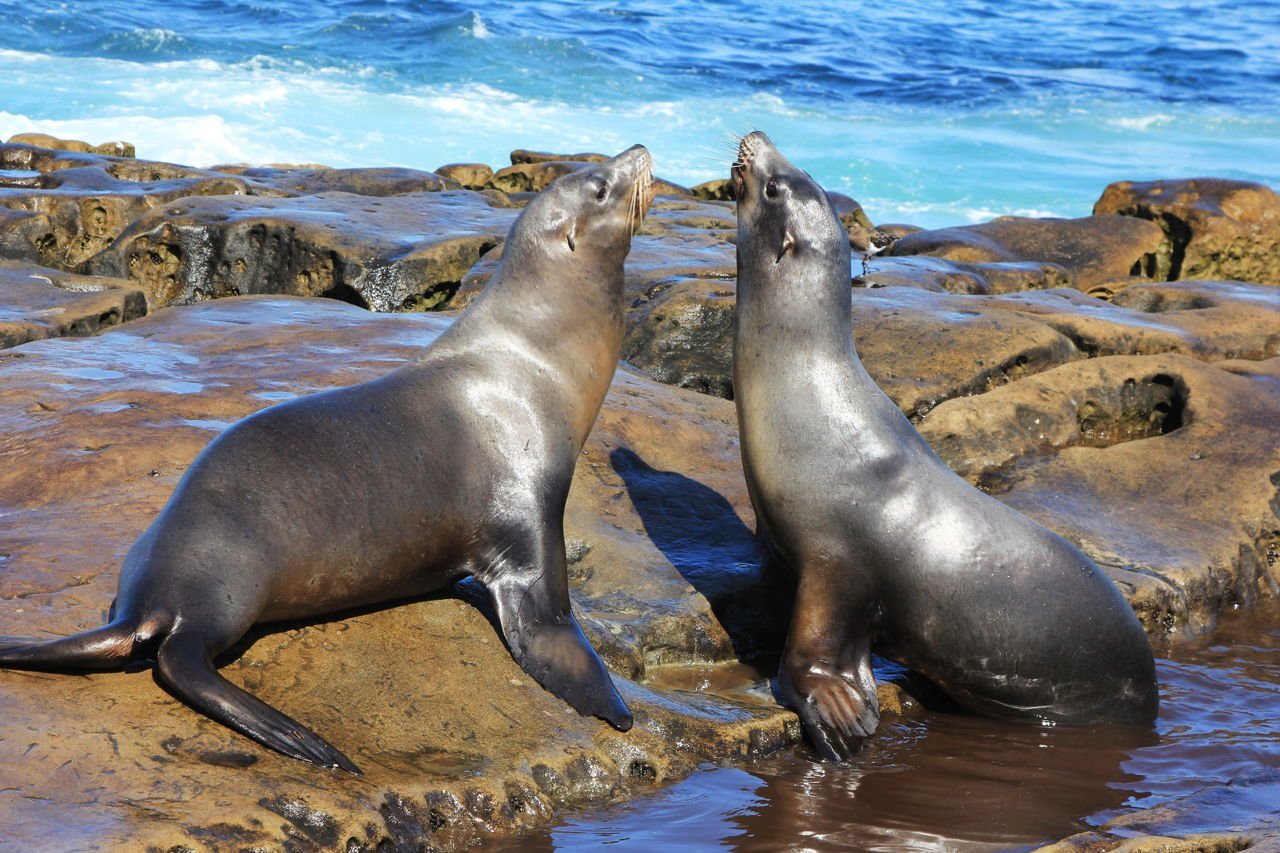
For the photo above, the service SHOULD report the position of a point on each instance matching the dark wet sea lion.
(890, 547)
(458, 463)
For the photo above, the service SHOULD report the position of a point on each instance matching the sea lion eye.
(771, 189)
(604, 191)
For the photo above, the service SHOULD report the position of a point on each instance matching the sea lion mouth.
(641, 193)
(748, 149)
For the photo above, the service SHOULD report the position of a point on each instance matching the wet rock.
(1092, 249)
(687, 216)
(470, 176)
(532, 177)
(1194, 823)
(371, 182)
(1216, 228)
(718, 190)
(1163, 468)
(680, 332)
(456, 742)
(400, 252)
(522, 156)
(87, 200)
(38, 302)
(44, 140)
(924, 346)
(939, 274)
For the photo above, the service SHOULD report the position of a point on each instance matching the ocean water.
(934, 112)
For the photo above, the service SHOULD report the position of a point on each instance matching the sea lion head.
(786, 224)
(598, 207)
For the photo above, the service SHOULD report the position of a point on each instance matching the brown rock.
(718, 190)
(457, 743)
(524, 156)
(37, 302)
(1180, 826)
(401, 252)
(532, 177)
(1162, 468)
(1216, 228)
(87, 200)
(939, 274)
(44, 140)
(1092, 249)
(471, 176)
(371, 182)
(681, 333)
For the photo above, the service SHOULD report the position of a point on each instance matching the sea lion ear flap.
(568, 236)
(788, 243)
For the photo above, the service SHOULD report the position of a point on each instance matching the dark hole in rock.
(1156, 405)
(346, 293)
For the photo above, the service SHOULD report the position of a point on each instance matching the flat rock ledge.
(1116, 377)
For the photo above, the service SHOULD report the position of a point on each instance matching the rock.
(850, 212)
(663, 187)
(1216, 228)
(470, 176)
(939, 274)
(1092, 249)
(522, 156)
(532, 177)
(1193, 824)
(718, 190)
(386, 254)
(456, 742)
(371, 182)
(87, 200)
(689, 216)
(44, 140)
(37, 302)
(1162, 468)
(680, 332)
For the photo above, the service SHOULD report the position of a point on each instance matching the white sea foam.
(1141, 122)
(478, 28)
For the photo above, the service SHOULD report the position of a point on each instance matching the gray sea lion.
(892, 549)
(456, 464)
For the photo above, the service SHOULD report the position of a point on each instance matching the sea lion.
(892, 549)
(456, 464)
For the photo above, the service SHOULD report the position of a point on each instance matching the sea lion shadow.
(700, 533)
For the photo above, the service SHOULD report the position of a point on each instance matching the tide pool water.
(935, 112)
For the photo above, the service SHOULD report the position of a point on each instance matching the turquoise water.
(934, 112)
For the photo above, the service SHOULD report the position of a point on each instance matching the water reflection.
(942, 781)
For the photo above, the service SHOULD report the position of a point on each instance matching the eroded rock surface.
(37, 302)
(1162, 468)
(1093, 249)
(86, 200)
(456, 741)
(1216, 228)
(402, 252)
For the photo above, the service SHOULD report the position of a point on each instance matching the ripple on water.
(954, 782)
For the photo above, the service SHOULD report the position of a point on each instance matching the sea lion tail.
(185, 666)
(100, 650)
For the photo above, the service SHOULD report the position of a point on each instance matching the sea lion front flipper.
(533, 608)
(826, 674)
(184, 665)
(838, 714)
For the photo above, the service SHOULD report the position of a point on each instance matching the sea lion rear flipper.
(547, 642)
(183, 664)
(102, 649)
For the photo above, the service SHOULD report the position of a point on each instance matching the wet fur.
(456, 464)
